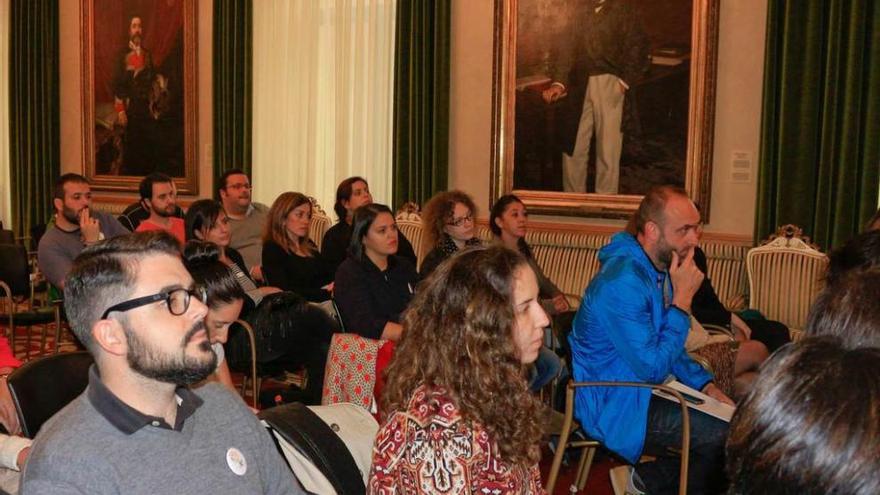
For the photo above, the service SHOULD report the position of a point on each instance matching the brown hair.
(811, 424)
(464, 313)
(438, 211)
(275, 230)
(651, 208)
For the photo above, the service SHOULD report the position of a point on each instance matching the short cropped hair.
(652, 208)
(221, 182)
(105, 274)
(67, 179)
(146, 186)
(849, 309)
(811, 424)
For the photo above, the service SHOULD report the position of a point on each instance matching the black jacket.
(368, 298)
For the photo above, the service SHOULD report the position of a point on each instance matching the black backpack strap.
(312, 437)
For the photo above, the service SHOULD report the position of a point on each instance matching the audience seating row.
(780, 278)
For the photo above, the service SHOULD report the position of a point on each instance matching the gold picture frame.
(159, 131)
(696, 140)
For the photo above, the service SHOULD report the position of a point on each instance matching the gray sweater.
(79, 451)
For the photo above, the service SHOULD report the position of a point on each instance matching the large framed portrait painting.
(139, 92)
(596, 101)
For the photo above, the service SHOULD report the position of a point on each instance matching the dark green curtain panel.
(233, 76)
(421, 100)
(34, 139)
(820, 152)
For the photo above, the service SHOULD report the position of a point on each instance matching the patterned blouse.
(431, 449)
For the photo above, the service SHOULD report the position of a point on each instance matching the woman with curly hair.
(460, 418)
(448, 221)
(291, 261)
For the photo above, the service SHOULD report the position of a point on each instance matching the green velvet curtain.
(421, 100)
(34, 138)
(820, 148)
(233, 73)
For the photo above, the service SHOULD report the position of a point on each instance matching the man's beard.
(167, 212)
(180, 369)
(135, 39)
(70, 215)
(664, 252)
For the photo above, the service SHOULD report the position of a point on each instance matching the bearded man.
(137, 429)
(159, 198)
(76, 226)
(631, 326)
(132, 85)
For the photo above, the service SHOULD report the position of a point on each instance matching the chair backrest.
(569, 259)
(14, 268)
(409, 221)
(42, 387)
(321, 223)
(328, 447)
(785, 276)
(350, 375)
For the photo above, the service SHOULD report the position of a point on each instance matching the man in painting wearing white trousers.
(610, 42)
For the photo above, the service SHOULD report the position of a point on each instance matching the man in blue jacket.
(631, 326)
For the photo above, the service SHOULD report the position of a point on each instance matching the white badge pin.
(236, 461)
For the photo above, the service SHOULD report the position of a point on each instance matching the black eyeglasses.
(176, 299)
(458, 222)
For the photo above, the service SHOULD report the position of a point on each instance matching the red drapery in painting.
(162, 25)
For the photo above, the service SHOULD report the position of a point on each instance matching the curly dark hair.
(464, 313)
(438, 211)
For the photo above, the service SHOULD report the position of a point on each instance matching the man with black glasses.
(137, 429)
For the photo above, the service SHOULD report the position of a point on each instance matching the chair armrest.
(685, 418)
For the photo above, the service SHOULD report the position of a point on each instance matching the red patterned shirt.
(429, 448)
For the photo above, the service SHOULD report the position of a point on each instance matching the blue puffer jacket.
(623, 331)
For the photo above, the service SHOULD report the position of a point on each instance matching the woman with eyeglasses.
(351, 194)
(291, 260)
(374, 285)
(223, 296)
(458, 416)
(206, 220)
(448, 221)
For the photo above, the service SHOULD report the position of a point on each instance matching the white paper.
(710, 406)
